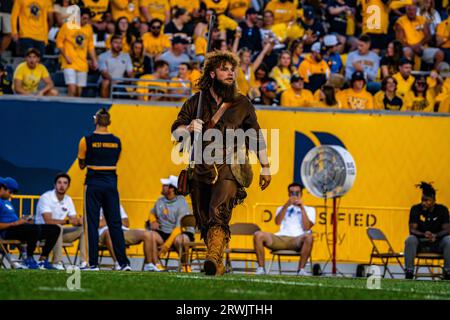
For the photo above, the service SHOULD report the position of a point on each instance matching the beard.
(226, 91)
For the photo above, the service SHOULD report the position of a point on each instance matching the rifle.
(186, 174)
(200, 98)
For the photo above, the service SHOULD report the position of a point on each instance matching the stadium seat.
(196, 247)
(241, 229)
(378, 239)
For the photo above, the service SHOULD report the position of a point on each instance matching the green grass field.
(31, 284)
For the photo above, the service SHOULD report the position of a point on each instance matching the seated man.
(55, 207)
(429, 229)
(29, 74)
(164, 222)
(13, 228)
(132, 237)
(296, 221)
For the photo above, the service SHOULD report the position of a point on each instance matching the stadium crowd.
(350, 54)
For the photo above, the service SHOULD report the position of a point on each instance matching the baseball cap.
(172, 180)
(316, 47)
(296, 78)
(358, 75)
(179, 39)
(330, 40)
(405, 61)
(308, 12)
(11, 184)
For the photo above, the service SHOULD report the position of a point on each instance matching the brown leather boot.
(214, 256)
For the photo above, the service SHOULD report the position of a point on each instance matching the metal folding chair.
(286, 253)
(376, 237)
(241, 229)
(4, 252)
(431, 261)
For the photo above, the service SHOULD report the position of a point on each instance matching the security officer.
(99, 152)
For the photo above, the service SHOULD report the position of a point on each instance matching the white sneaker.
(20, 266)
(260, 271)
(151, 267)
(125, 268)
(116, 266)
(303, 273)
(93, 268)
(83, 265)
(59, 266)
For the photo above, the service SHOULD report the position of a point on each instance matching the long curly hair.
(213, 61)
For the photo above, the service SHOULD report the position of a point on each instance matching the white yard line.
(61, 289)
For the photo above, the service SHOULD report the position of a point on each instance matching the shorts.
(5, 22)
(428, 55)
(75, 77)
(166, 236)
(378, 41)
(286, 243)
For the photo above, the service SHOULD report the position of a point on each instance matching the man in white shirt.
(296, 221)
(132, 237)
(55, 207)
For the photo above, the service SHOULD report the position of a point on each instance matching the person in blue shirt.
(332, 57)
(13, 228)
(99, 153)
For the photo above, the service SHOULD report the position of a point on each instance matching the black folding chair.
(376, 237)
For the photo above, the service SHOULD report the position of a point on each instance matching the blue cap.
(11, 184)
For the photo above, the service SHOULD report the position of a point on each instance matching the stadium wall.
(392, 151)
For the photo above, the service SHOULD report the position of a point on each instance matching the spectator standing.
(179, 25)
(121, 29)
(313, 27)
(284, 11)
(29, 74)
(32, 17)
(114, 64)
(428, 11)
(337, 12)
(155, 9)
(55, 207)
(376, 27)
(443, 36)
(100, 16)
(75, 44)
(5, 24)
(125, 8)
(295, 221)
(250, 33)
(429, 229)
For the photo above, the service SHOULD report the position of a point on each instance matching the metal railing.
(127, 87)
